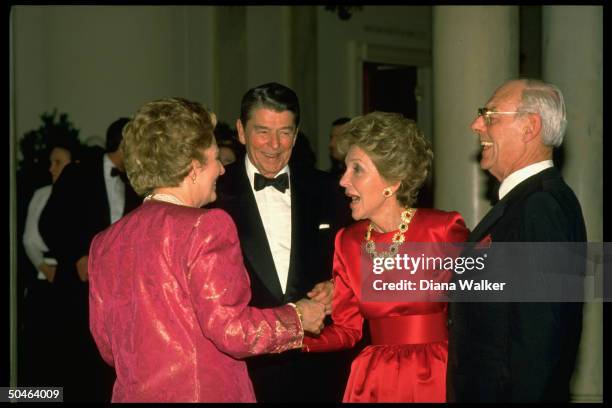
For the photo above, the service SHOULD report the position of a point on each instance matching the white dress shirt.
(33, 243)
(521, 175)
(115, 191)
(275, 212)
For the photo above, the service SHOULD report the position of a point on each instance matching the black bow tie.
(281, 182)
(116, 172)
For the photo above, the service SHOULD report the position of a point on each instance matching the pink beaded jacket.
(168, 297)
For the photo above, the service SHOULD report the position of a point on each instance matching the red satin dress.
(406, 361)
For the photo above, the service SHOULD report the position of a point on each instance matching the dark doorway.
(391, 88)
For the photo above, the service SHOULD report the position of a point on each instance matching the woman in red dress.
(387, 161)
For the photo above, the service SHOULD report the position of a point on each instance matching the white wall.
(230, 62)
(252, 48)
(97, 63)
(267, 29)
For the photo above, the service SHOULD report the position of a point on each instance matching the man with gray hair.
(519, 351)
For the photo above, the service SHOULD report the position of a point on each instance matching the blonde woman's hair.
(396, 146)
(161, 141)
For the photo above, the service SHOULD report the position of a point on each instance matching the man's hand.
(48, 271)
(313, 314)
(323, 292)
(81, 265)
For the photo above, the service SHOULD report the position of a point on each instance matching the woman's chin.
(211, 199)
(357, 215)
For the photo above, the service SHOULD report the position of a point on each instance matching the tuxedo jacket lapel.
(299, 223)
(520, 191)
(252, 234)
(487, 222)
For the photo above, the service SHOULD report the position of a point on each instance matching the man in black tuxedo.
(286, 217)
(519, 351)
(87, 197)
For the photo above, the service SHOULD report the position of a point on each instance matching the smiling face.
(503, 150)
(208, 175)
(364, 185)
(269, 137)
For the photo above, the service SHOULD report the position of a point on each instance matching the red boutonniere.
(485, 242)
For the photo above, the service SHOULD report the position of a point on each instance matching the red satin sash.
(409, 329)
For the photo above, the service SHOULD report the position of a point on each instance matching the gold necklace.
(398, 237)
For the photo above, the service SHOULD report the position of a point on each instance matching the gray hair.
(547, 101)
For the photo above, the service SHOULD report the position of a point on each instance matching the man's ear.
(240, 129)
(533, 128)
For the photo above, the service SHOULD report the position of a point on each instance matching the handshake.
(312, 311)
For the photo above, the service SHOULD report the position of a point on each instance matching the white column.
(572, 53)
(475, 49)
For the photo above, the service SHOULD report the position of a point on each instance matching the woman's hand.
(81, 266)
(48, 271)
(323, 292)
(312, 314)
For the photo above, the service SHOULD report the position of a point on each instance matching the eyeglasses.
(486, 114)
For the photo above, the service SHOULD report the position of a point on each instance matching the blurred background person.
(34, 245)
(387, 159)
(302, 153)
(169, 292)
(337, 159)
(40, 302)
(338, 166)
(230, 149)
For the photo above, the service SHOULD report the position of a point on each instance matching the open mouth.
(485, 144)
(270, 155)
(354, 198)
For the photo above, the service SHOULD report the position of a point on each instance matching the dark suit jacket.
(519, 351)
(76, 211)
(314, 202)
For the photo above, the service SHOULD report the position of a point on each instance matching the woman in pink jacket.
(168, 290)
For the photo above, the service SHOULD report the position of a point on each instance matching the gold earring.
(387, 192)
(193, 178)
